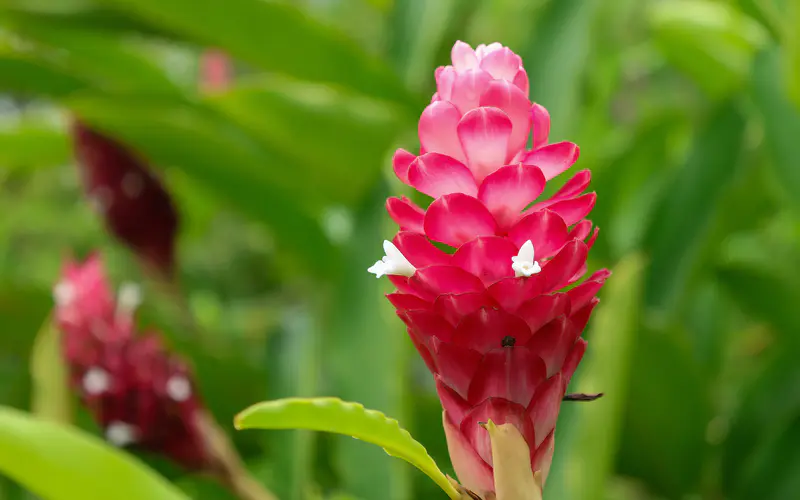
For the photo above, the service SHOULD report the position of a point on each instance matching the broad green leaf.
(760, 453)
(557, 57)
(23, 75)
(781, 124)
(678, 231)
(33, 144)
(764, 294)
(791, 68)
(713, 42)
(222, 159)
(586, 453)
(276, 36)
(666, 416)
(350, 134)
(351, 419)
(100, 56)
(58, 462)
(51, 398)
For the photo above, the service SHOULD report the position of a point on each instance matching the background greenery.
(687, 112)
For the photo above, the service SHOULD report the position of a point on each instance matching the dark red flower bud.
(135, 206)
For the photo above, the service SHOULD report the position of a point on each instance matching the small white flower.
(393, 263)
(96, 381)
(178, 388)
(523, 263)
(121, 434)
(129, 298)
(63, 293)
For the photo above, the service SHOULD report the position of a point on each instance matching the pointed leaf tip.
(347, 418)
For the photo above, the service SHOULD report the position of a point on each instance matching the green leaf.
(764, 294)
(781, 124)
(558, 56)
(100, 56)
(276, 36)
(351, 419)
(666, 416)
(33, 144)
(350, 134)
(713, 42)
(589, 443)
(792, 48)
(51, 395)
(761, 447)
(221, 158)
(678, 232)
(22, 75)
(58, 462)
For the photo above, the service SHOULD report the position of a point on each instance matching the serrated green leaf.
(713, 42)
(277, 36)
(588, 449)
(58, 462)
(351, 419)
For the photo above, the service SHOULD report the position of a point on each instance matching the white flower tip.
(523, 263)
(129, 297)
(394, 263)
(378, 269)
(96, 381)
(121, 434)
(178, 388)
(63, 293)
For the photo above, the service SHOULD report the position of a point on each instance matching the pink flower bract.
(491, 319)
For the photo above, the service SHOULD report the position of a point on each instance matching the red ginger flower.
(490, 320)
(135, 206)
(135, 390)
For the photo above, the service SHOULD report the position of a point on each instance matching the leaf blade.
(340, 417)
(91, 470)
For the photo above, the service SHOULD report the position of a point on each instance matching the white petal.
(121, 433)
(526, 251)
(129, 298)
(378, 269)
(96, 381)
(178, 388)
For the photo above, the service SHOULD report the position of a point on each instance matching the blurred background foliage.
(687, 112)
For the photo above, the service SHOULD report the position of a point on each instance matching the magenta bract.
(490, 318)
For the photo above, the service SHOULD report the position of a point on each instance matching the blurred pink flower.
(137, 392)
(490, 319)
